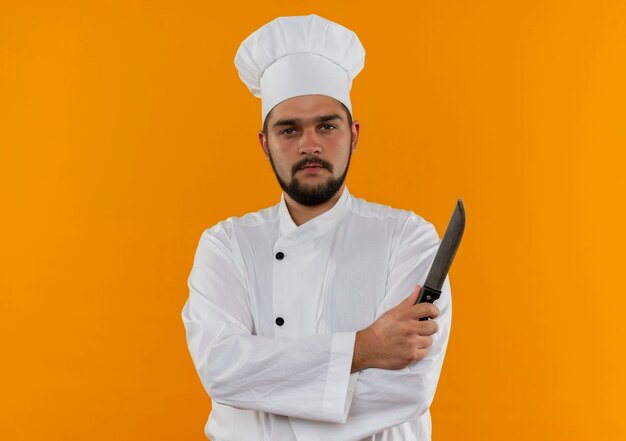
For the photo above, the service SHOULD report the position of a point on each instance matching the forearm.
(385, 398)
(305, 378)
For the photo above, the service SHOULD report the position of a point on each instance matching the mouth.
(311, 169)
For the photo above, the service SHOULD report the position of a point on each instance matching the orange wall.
(125, 131)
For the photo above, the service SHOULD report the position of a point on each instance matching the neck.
(302, 213)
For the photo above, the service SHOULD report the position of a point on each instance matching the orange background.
(125, 132)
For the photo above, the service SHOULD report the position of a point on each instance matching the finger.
(425, 342)
(412, 298)
(424, 328)
(428, 327)
(424, 310)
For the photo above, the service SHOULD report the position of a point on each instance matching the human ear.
(263, 142)
(356, 127)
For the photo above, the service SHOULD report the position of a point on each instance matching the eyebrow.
(295, 121)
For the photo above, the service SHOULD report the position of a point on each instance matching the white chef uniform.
(271, 320)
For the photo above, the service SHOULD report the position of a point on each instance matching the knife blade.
(444, 257)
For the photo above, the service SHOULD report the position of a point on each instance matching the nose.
(310, 143)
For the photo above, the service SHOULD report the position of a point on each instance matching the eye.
(328, 127)
(289, 131)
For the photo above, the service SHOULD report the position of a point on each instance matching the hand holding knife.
(385, 344)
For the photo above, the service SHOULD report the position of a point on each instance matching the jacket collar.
(317, 226)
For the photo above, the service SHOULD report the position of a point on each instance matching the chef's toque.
(301, 55)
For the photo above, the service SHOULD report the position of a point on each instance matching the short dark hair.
(349, 115)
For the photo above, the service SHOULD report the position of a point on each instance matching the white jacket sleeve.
(305, 378)
(387, 398)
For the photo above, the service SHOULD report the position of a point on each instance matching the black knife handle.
(427, 295)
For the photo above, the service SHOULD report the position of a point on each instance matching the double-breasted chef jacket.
(272, 315)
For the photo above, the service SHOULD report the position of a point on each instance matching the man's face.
(309, 143)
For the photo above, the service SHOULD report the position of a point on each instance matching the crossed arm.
(355, 383)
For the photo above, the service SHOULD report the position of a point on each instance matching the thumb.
(412, 298)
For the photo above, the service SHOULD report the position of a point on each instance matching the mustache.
(311, 160)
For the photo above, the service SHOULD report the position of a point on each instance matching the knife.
(444, 257)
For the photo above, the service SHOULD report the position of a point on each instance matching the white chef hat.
(301, 55)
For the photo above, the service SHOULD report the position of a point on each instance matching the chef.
(301, 318)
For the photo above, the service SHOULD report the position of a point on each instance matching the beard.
(312, 195)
